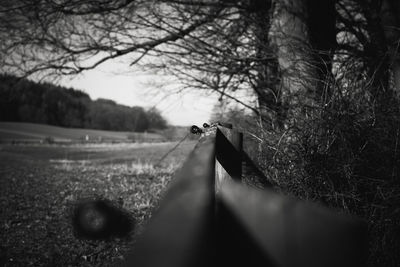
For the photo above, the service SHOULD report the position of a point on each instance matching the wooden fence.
(209, 218)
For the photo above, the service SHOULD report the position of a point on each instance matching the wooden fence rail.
(209, 218)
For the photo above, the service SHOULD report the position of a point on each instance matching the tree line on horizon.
(28, 101)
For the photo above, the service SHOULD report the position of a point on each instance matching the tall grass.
(344, 153)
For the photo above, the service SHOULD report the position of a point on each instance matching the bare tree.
(282, 52)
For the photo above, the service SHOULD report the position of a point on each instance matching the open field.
(40, 183)
(17, 131)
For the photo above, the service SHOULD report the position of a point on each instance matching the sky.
(134, 88)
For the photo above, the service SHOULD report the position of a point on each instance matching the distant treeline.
(27, 101)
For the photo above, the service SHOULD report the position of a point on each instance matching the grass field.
(16, 131)
(40, 183)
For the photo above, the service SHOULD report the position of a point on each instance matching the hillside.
(15, 131)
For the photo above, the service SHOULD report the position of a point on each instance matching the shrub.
(345, 155)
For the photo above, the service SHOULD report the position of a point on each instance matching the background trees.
(321, 78)
(27, 101)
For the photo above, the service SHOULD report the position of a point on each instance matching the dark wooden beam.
(289, 232)
(180, 233)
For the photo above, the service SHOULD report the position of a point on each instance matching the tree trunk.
(375, 49)
(390, 19)
(266, 85)
(291, 41)
(322, 31)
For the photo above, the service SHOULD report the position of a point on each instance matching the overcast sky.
(138, 89)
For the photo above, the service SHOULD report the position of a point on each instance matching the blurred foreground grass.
(39, 184)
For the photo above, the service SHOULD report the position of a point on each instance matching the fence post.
(228, 156)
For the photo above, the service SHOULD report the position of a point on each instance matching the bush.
(345, 155)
